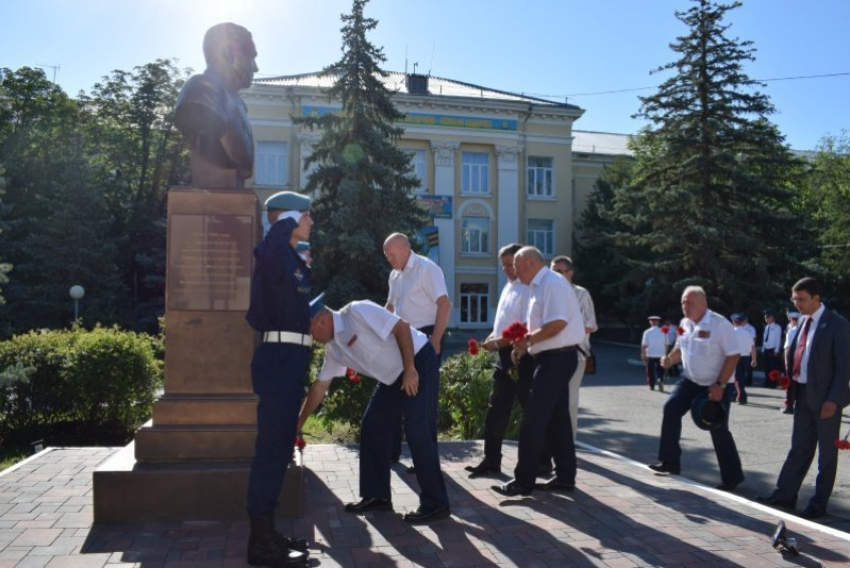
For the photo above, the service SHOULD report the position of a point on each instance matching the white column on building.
(507, 228)
(444, 184)
(306, 141)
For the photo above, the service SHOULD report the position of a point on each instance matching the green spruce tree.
(364, 182)
(710, 200)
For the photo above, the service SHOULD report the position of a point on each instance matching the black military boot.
(267, 548)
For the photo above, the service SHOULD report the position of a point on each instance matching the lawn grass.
(12, 455)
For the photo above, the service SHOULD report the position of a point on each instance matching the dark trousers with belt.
(420, 426)
(741, 377)
(397, 427)
(278, 375)
(506, 389)
(810, 433)
(547, 412)
(679, 404)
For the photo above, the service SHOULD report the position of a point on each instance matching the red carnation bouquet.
(515, 331)
(843, 444)
(472, 346)
(353, 376)
(665, 329)
(776, 377)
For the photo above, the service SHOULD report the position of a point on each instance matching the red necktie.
(801, 348)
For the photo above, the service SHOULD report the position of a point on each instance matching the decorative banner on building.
(437, 206)
(436, 120)
(427, 241)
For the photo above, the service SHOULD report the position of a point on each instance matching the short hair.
(532, 252)
(565, 259)
(509, 249)
(807, 284)
(697, 290)
(224, 34)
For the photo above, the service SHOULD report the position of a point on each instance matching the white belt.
(304, 339)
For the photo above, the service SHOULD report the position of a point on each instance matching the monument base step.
(126, 490)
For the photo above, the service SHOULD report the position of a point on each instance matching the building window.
(540, 174)
(271, 164)
(541, 234)
(475, 235)
(475, 172)
(417, 159)
(474, 302)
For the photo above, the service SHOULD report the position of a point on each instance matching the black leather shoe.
(730, 486)
(371, 504)
(483, 468)
(812, 513)
(556, 484)
(423, 516)
(511, 489)
(666, 467)
(777, 502)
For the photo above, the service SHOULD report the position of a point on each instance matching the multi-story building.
(495, 168)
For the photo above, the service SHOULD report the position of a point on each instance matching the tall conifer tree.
(709, 201)
(364, 182)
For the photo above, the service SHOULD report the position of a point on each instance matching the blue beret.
(316, 304)
(288, 201)
(302, 246)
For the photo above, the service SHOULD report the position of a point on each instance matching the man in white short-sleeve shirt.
(372, 341)
(709, 353)
(653, 347)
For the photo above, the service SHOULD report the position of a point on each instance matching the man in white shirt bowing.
(555, 328)
(709, 352)
(374, 342)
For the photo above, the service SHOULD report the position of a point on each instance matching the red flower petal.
(472, 346)
(774, 375)
(665, 329)
(680, 330)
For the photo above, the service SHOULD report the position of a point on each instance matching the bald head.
(527, 262)
(397, 250)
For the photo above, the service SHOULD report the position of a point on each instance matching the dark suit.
(828, 374)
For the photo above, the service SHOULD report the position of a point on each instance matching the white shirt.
(772, 338)
(749, 327)
(810, 335)
(705, 345)
(553, 299)
(363, 340)
(512, 307)
(790, 334)
(745, 340)
(588, 314)
(655, 341)
(415, 289)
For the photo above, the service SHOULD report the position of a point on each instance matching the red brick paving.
(621, 515)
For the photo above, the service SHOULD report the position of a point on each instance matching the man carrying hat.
(375, 342)
(280, 311)
(653, 347)
(709, 353)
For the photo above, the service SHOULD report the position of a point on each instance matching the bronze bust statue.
(212, 115)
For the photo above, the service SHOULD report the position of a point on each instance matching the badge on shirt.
(298, 274)
(704, 334)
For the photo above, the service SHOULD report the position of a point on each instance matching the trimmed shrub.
(465, 383)
(77, 386)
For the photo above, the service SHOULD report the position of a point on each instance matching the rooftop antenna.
(431, 63)
(54, 67)
(415, 65)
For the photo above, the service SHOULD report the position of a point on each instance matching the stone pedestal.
(191, 461)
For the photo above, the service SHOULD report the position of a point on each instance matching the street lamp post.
(77, 292)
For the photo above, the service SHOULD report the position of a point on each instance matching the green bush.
(77, 386)
(465, 383)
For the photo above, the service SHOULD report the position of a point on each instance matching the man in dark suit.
(819, 365)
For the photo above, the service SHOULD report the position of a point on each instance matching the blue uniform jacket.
(280, 288)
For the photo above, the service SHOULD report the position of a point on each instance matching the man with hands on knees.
(375, 342)
(709, 353)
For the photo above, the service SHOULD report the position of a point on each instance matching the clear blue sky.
(552, 48)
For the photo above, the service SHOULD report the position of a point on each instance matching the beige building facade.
(495, 168)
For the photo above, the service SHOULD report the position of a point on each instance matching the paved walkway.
(622, 514)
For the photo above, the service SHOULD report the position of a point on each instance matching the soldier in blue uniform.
(280, 311)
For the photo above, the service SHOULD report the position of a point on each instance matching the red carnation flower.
(774, 375)
(784, 382)
(680, 330)
(300, 443)
(665, 329)
(353, 376)
(842, 444)
(515, 331)
(472, 346)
